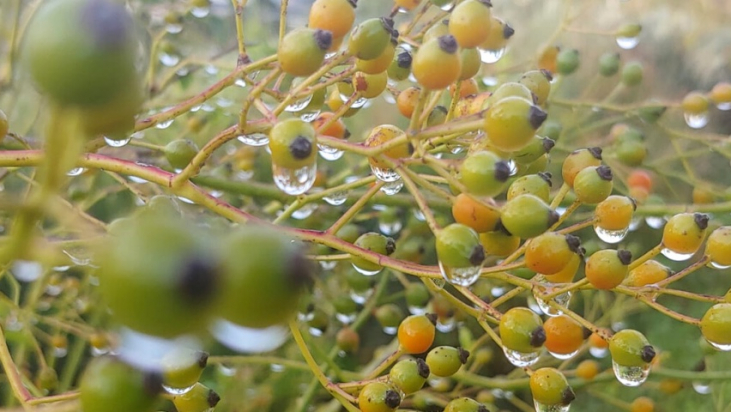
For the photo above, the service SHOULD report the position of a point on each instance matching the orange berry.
(478, 215)
(379, 64)
(416, 333)
(407, 4)
(587, 369)
(642, 404)
(336, 16)
(703, 196)
(639, 194)
(647, 273)
(614, 213)
(437, 63)
(596, 341)
(640, 178)
(564, 335)
(406, 101)
(470, 22)
(579, 160)
(336, 129)
(382, 134)
(547, 58)
(721, 93)
(466, 88)
(550, 252)
(606, 269)
(566, 274)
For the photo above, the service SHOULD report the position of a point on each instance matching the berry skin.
(550, 252)
(720, 94)
(437, 63)
(400, 66)
(370, 85)
(500, 33)
(512, 122)
(180, 152)
(527, 216)
(511, 89)
(614, 212)
(648, 273)
(563, 335)
(407, 4)
(375, 242)
(198, 399)
(416, 333)
(539, 83)
(108, 381)
(4, 126)
(630, 348)
(478, 215)
(606, 269)
(609, 64)
(521, 330)
(465, 405)
(370, 38)
(567, 61)
(406, 101)
(684, 232)
(640, 178)
(389, 315)
(568, 272)
(303, 50)
(484, 173)
(336, 129)
(293, 144)
(716, 324)
(718, 246)
(587, 369)
(593, 184)
(577, 161)
(347, 340)
(439, 29)
(417, 295)
(335, 16)
(671, 386)
(499, 243)
(182, 367)
(471, 65)
(379, 64)
(550, 387)
(537, 147)
(466, 87)
(445, 361)
(378, 397)
(631, 153)
(382, 134)
(597, 341)
(538, 185)
(470, 22)
(632, 74)
(458, 246)
(642, 404)
(409, 375)
(547, 59)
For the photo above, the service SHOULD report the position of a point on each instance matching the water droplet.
(533, 305)
(182, 72)
(345, 318)
(562, 299)
(294, 181)
(211, 69)
(185, 200)
(390, 228)
(53, 289)
(360, 297)
(169, 59)
(100, 351)
(366, 272)
(174, 28)
(248, 340)
(447, 6)
(520, 359)
(439, 283)
(720, 346)
(631, 375)
(617, 326)
(628, 43)
(392, 188)
(336, 198)
(26, 270)
(701, 388)
(164, 125)
(388, 97)
(329, 153)
(696, 121)
(226, 370)
(60, 352)
(489, 81)
(145, 351)
(610, 236)
(724, 106)
(497, 291)
(299, 105)
(456, 149)
(77, 171)
(305, 211)
(243, 175)
(446, 325)
(460, 276)
(491, 56)
(717, 265)
(117, 142)
(655, 222)
(328, 264)
(417, 310)
(200, 12)
(563, 356)
(309, 116)
(598, 353)
(315, 331)
(635, 223)
(276, 368)
(241, 83)
(177, 391)
(78, 256)
(208, 108)
(390, 330)
(678, 257)
(540, 407)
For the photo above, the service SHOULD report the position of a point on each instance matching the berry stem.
(647, 256)
(685, 272)
(13, 375)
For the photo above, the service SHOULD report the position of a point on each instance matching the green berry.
(182, 367)
(537, 147)
(303, 50)
(567, 61)
(180, 152)
(632, 74)
(716, 325)
(108, 381)
(630, 348)
(445, 361)
(409, 375)
(400, 66)
(417, 295)
(465, 405)
(369, 39)
(375, 242)
(378, 397)
(458, 246)
(527, 216)
(484, 173)
(609, 64)
(511, 89)
(631, 153)
(539, 83)
(550, 387)
(293, 144)
(199, 398)
(389, 315)
(593, 184)
(521, 330)
(538, 185)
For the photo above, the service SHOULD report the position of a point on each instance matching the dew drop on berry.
(200, 12)
(696, 120)
(254, 139)
(520, 359)
(702, 388)
(610, 236)
(294, 181)
(491, 56)
(678, 257)
(631, 375)
(392, 188)
(540, 407)
(466, 276)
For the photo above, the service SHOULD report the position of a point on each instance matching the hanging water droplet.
(678, 257)
(114, 141)
(345, 318)
(308, 116)
(497, 291)
(78, 256)
(145, 351)
(724, 106)
(226, 370)
(598, 353)
(366, 272)
(254, 139)
(520, 359)
(696, 120)
(328, 264)
(164, 125)
(720, 346)
(447, 6)
(419, 215)
(491, 56)
(60, 352)
(390, 228)
(489, 81)
(305, 211)
(276, 368)
(77, 171)
(200, 12)
(294, 181)
(177, 391)
(173, 28)
(182, 72)
(211, 69)
(336, 198)
(185, 200)
(655, 222)
(563, 356)
(26, 270)
(331, 54)
(631, 375)
(446, 324)
(540, 407)
(392, 188)
(417, 310)
(329, 153)
(390, 330)
(460, 276)
(627, 43)
(617, 326)
(635, 223)
(562, 300)
(241, 83)
(360, 297)
(315, 331)
(388, 97)
(243, 175)
(169, 59)
(717, 265)
(299, 104)
(702, 388)
(610, 236)
(456, 148)
(248, 340)
(533, 305)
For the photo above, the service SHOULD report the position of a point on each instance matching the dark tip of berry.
(548, 144)
(596, 152)
(547, 176)
(538, 337)
(422, 368)
(198, 280)
(432, 318)
(625, 256)
(404, 60)
(448, 44)
(392, 399)
(202, 359)
(499, 226)
(353, 3)
(390, 246)
(347, 134)
(536, 116)
(604, 172)
(463, 355)
(310, 307)
(410, 148)
(701, 219)
(441, 108)
(700, 366)
(553, 217)
(548, 74)
(586, 332)
(508, 31)
(152, 383)
(567, 396)
(648, 353)
(108, 22)
(533, 98)
(502, 171)
(299, 270)
(478, 255)
(387, 23)
(300, 148)
(574, 243)
(213, 398)
(634, 203)
(482, 408)
(323, 38)
(583, 251)
(487, 3)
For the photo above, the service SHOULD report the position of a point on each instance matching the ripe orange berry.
(382, 134)
(640, 178)
(499, 242)
(577, 161)
(564, 335)
(639, 194)
(550, 252)
(416, 333)
(478, 215)
(337, 16)
(684, 232)
(596, 341)
(470, 22)
(606, 269)
(336, 129)
(703, 196)
(406, 101)
(547, 58)
(499, 34)
(437, 63)
(721, 94)
(407, 4)
(566, 274)
(614, 213)
(647, 273)
(466, 88)
(671, 386)
(587, 369)
(642, 404)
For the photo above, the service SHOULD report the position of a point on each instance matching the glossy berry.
(684, 232)
(336, 128)
(438, 29)
(379, 64)
(335, 16)
(445, 361)
(375, 242)
(547, 58)
(370, 38)
(500, 33)
(406, 101)
(606, 269)
(593, 184)
(378, 397)
(389, 315)
(597, 341)
(716, 325)
(512, 122)
(182, 367)
(527, 216)
(499, 243)
(630, 348)
(108, 381)
(465, 405)
(303, 50)
(481, 216)
(642, 404)
(511, 89)
(587, 369)
(347, 340)
(695, 102)
(648, 273)
(466, 87)
(293, 143)
(567, 61)
(614, 213)
(416, 333)
(382, 134)
(470, 22)
(471, 65)
(640, 178)
(550, 387)
(407, 5)
(632, 74)
(521, 330)
(400, 66)
(536, 147)
(538, 185)
(577, 161)
(409, 375)
(720, 94)
(437, 63)
(609, 64)
(199, 398)
(568, 272)
(718, 246)
(484, 173)
(539, 83)
(631, 153)
(370, 85)
(550, 252)
(180, 152)
(417, 295)
(564, 335)
(458, 246)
